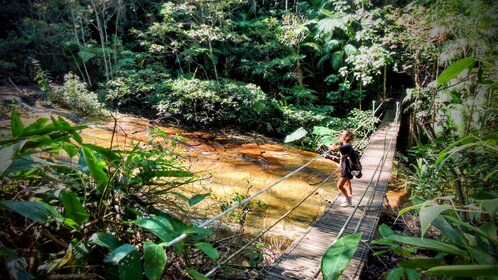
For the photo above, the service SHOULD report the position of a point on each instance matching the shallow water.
(233, 165)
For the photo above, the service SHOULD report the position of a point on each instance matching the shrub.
(209, 102)
(74, 95)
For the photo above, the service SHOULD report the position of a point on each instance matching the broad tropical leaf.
(34, 210)
(96, 170)
(429, 214)
(106, 240)
(338, 256)
(154, 260)
(455, 69)
(296, 135)
(73, 207)
(158, 225)
(208, 249)
(475, 270)
(128, 262)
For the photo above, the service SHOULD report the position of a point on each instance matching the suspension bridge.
(302, 258)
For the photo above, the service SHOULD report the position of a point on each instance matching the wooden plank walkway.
(302, 259)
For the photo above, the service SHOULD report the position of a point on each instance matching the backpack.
(355, 167)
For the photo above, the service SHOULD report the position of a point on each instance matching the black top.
(347, 150)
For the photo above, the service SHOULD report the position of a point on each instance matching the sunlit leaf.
(106, 240)
(339, 255)
(198, 230)
(73, 207)
(475, 270)
(208, 249)
(16, 125)
(154, 260)
(296, 135)
(197, 198)
(455, 69)
(429, 214)
(160, 226)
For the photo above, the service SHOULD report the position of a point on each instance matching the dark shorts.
(345, 172)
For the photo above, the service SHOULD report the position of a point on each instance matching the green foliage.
(361, 122)
(462, 248)
(101, 202)
(131, 85)
(74, 95)
(201, 103)
(337, 258)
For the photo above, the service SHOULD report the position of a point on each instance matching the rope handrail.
(245, 201)
(248, 199)
(369, 203)
(267, 229)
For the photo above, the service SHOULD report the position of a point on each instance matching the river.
(234, 165)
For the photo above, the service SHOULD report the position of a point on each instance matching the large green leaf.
(73, 207)
(428, 244)
(198, 230)
(27, 163)
(7, 155)
(106, 240)
(491, 206)
(421, 263)
(455, 69)
(34, 210)
(474, 270)
(96, 169)
(160, 226)
(16, 125)
(296, 135)
(429, 214)
(208, 249)
(154, 260)
(454, 235)
(127, 260)
(412, 274)
(396, 273)
(196, 274)
(197, 198)
(339, 255)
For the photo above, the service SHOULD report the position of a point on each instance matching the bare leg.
(344, 185)
(349, 189)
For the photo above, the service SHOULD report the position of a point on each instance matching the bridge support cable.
(245, 201)
(218, 266)
(290, 266)
(376, 175)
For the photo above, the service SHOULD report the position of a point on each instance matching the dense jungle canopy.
(270, 66)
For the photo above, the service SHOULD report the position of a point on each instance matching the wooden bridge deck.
(302, 259)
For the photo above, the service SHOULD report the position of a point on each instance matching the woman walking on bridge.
(346, 149)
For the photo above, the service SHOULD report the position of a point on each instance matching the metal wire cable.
(369, 203)
(267, 229)
(248, 199)
(245, 201)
